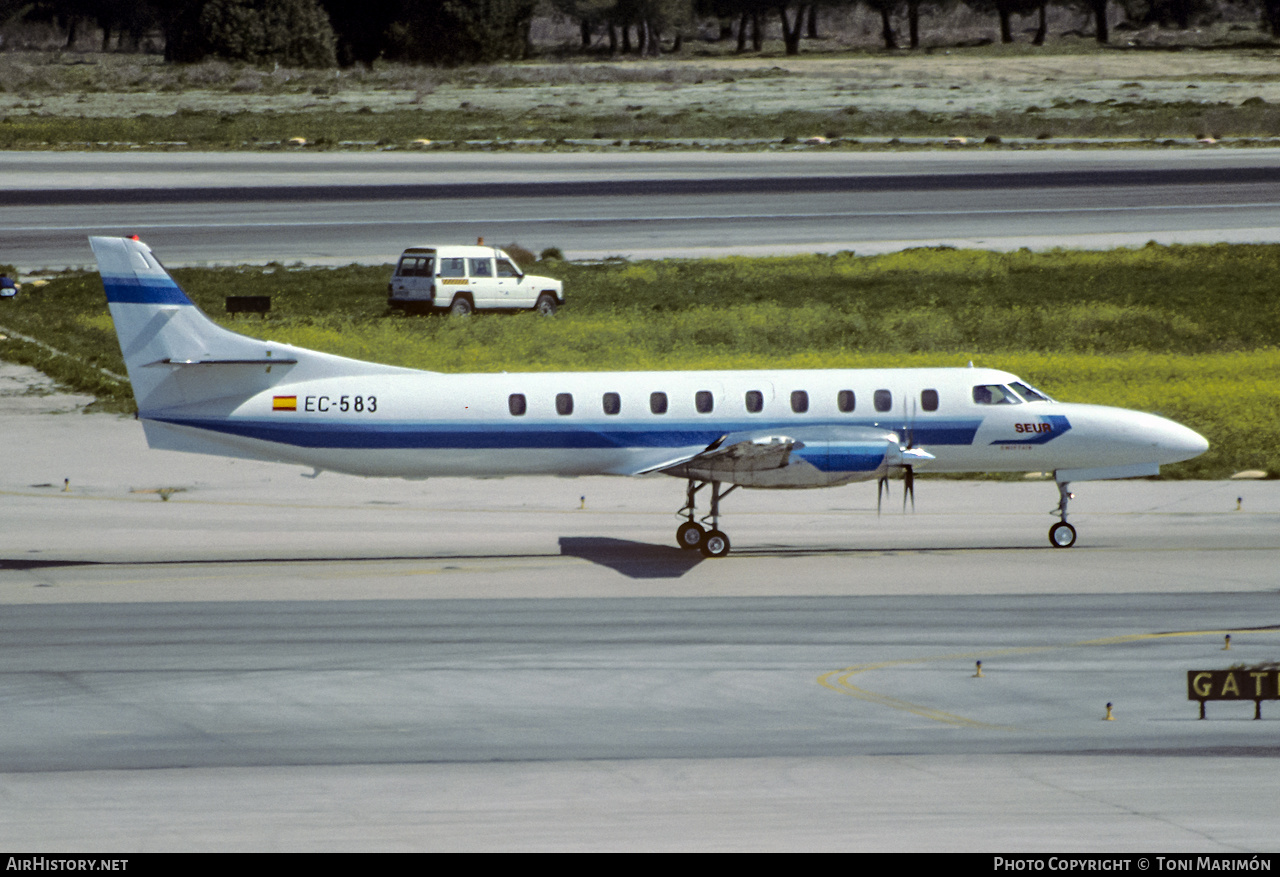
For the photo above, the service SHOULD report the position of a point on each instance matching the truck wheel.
(461, 306)
(546, 305)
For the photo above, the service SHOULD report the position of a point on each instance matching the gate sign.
(1241, 684)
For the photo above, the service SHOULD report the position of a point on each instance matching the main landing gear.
(691, 534)
(1062, 534)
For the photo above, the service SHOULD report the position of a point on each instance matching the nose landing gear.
(1062, 534)
(691, 534)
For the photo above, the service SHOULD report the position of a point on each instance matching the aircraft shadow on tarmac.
(25, 565)
(637, 560)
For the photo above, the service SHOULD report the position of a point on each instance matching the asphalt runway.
(359, 207)
(269, 661)
(208, 654)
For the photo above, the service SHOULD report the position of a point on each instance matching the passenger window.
(929, 400)
(799, 401)
(481, 267)
(658, 403)
(883, 400)
(846, 401)
(453, 267)
(704, 401)
(994, 394)
(755, 401)
(564, 403)
(516, 404)
(612, 403)
(506, 269)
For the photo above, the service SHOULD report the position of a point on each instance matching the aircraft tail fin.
(163, 334)
(176, 356)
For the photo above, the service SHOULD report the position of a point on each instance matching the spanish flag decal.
(284, 403)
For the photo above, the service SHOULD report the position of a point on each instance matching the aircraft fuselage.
(419, 425)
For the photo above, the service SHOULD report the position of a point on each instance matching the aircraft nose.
(1176, 442)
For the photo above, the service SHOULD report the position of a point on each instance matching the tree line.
(322, 33)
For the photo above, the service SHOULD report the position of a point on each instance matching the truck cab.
(466, 279)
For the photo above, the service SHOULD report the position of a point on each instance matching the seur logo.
(1050, 427)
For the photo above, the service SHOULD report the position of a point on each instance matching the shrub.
(463, 31)
(523, 257)
(291, 32)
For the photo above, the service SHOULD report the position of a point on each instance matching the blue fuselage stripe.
(347, 435)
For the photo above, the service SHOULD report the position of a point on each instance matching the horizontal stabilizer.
(265, 361)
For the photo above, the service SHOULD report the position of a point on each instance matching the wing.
(729, 457)
(808, 456)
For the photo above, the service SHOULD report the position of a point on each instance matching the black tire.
(461, 306)
(1062, 535)
(714, 544)
(689, 535)
(546, 305)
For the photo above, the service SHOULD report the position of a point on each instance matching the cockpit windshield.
(1031, 394)
(995, 394)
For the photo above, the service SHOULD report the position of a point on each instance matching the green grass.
(1188, 332)
(451, 128)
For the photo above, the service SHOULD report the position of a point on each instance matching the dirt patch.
(23, 390)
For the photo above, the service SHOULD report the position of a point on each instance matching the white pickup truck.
(466, 279)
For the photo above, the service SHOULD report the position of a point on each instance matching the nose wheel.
(1062, 534)
(692, 535)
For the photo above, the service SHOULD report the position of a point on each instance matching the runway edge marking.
(841, 684)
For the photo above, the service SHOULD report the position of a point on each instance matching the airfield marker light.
(66, 485)
(1239, 501)
(1226, 645)
(584, 502)
(978, 675)
(1109, 718)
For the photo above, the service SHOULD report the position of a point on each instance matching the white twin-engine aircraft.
(204, 389)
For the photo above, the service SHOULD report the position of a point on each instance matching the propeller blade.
(908, 488)
(882, 487)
